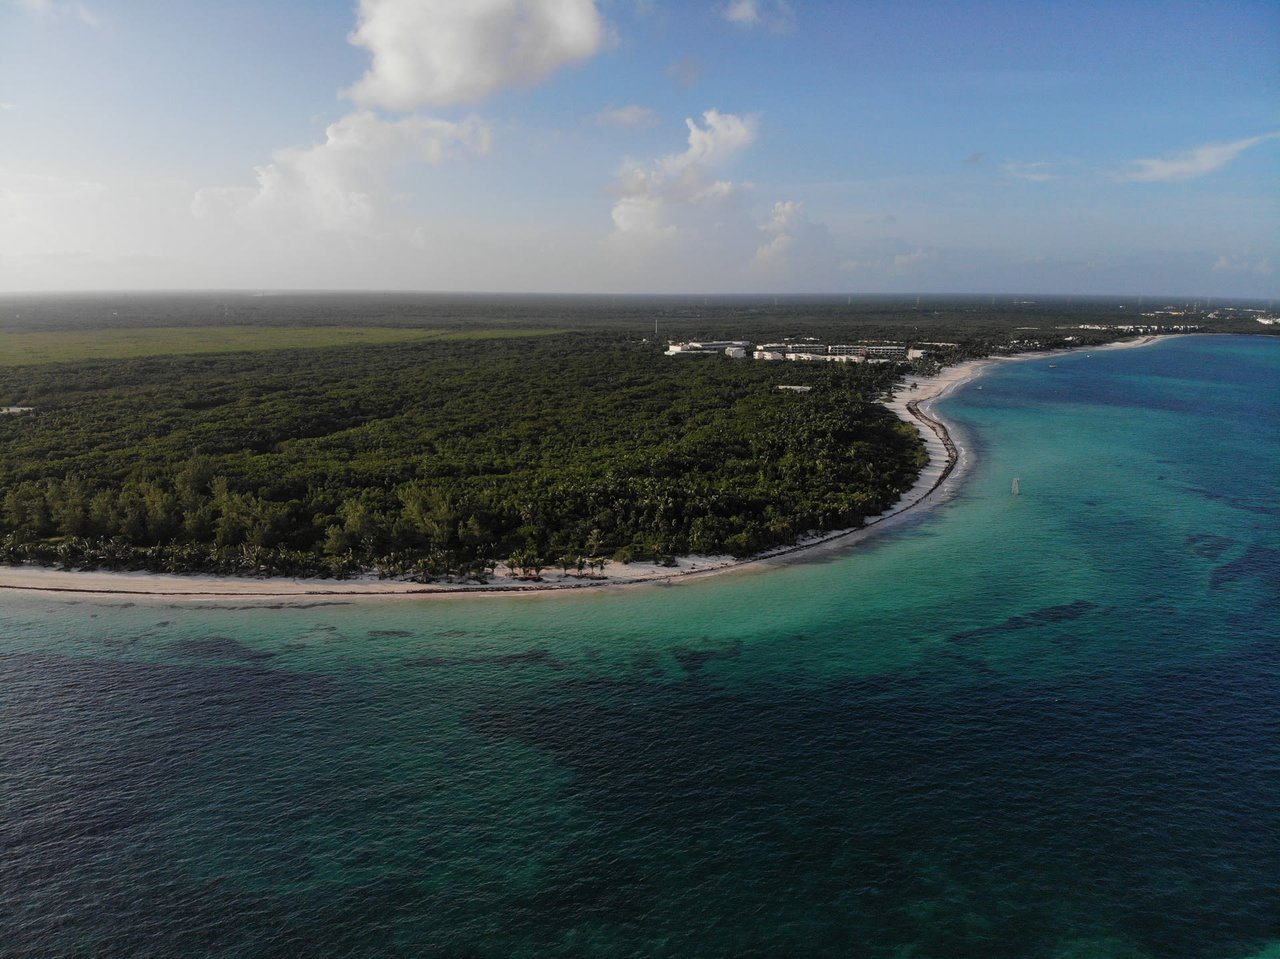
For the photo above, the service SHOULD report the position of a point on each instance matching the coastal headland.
(914, 401)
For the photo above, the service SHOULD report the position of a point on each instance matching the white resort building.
(735, 348)
(807, 349)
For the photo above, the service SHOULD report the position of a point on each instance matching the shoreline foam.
(948, 462)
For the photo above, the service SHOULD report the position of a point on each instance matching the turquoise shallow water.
(1044, 725)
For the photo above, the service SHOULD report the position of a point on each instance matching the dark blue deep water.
(1034, 726)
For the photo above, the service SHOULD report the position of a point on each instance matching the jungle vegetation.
(436, 458)
(37, 347)
(444, 435)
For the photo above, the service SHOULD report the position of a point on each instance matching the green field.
(65, 346)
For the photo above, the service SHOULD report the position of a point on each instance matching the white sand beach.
(949, 460)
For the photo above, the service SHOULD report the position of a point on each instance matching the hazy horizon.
(1002, 297)
(864, 296)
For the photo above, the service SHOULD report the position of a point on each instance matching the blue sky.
(641, 146)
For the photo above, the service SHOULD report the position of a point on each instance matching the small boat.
(1017, 486)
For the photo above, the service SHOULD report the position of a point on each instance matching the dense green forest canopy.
(531, 431)
(37, 347)
(970, 319)
(438, 456)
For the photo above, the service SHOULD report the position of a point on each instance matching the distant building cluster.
(735, 348)
(1142, 327)
(1264, 317)
(806, 349)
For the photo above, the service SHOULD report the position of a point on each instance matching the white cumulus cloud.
(723, 135)
(1192, 163)
(680, 222)
(449, 52)
(746, 12)
(794, 241)
(315, 200)
(338, 184)
(652, 198)
(775, 15)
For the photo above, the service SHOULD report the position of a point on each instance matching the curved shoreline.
(947, 461)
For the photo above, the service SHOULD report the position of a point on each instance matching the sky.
(641, 146)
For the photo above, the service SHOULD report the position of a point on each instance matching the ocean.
(1042, 725)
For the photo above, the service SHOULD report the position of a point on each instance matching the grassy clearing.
(64, 346)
